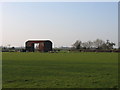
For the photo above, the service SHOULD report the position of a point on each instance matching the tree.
(77, 44)
(85, 45)
(109, 44)
(98, 43)
(89, 44)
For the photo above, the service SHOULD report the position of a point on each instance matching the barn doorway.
(36, 47)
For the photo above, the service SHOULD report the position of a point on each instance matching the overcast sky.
(61, 22)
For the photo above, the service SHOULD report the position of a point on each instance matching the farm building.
(38, 45)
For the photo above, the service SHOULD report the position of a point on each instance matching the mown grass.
(60, 70)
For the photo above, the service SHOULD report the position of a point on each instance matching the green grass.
(60, 70)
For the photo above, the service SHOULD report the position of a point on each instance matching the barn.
(38, 45)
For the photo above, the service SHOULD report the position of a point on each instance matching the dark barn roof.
(38, 41)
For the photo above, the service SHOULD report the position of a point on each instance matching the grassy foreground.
(60, 70)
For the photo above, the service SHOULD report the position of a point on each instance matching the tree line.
(97, 44)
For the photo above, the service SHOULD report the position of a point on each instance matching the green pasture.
(59, 70)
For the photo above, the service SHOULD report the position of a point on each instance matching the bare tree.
(109, 44)
(85, 45)
(77, 44)
(98, 43)
(90, 44)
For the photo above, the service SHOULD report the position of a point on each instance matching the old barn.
(38, 45)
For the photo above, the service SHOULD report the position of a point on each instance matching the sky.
(61, 22)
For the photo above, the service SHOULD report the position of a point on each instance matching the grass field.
(60, 70)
